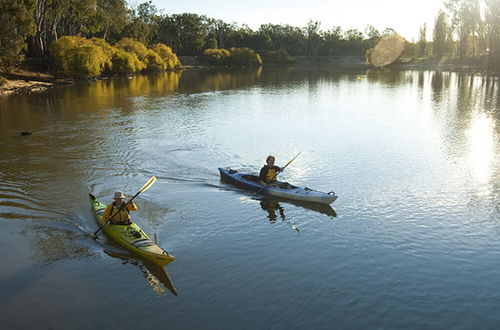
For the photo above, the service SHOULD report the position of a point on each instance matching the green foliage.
(244, 56)
(154, 62)
(167, 55)
(59, 48)
(108, 50)
(84, 61)
(128, 56)
(135, 47)
(216, 56)
(17, 24)
(124, 62)
(280, 56)
(439, 45)
(211, 43)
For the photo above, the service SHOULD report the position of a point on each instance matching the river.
(411, 243)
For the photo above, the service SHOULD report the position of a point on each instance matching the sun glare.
(481, 142)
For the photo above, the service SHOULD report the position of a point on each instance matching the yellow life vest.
(271, 175)
(121, 217)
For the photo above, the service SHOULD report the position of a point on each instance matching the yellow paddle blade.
(148, 184)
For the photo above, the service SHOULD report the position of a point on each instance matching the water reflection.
(315, 207)
(153, 274)
(482, 139)
(50, 244)
(271, 206)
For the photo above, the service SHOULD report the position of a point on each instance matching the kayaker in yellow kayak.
(119, 211)
(269, 172)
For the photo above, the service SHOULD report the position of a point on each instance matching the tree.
(185, 33)
(220, 29)
(373, 36)
(332, 41)
(17, 23)
(313, 38)
(492, 20)
(465, 19)
(422, 41)
(354, 40)
(439, 46)
(143, 23)
(285, 37)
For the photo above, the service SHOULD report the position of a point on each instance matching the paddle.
(145, 187)
(274, 177)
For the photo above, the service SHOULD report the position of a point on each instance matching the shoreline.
(25, 81)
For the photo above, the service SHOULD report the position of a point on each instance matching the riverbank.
(477, 64)
(33, 78)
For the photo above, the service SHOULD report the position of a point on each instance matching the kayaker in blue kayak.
(119, 210)
(269, 172)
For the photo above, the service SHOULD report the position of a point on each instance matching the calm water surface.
(411, 243)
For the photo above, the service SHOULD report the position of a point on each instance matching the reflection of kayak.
(278, 189)
(320, 208)
(152, 269)
(132, 237)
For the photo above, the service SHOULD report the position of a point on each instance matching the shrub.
(167, 55)
(59, 47)
(154, 62)
(133, 46)
(3, 81)
(108, 50)
(124, 62)
(216, 56)
(84, 61)
(244, 56)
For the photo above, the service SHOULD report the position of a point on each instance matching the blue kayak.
(277, 189)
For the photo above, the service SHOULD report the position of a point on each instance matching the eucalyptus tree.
(313, 38)
(440, 33)
(285, 37)
(492, 23)
(465, 21)
(143, 23)
(220, 30)
(17, 24)
(354, 40)
(56, 18)
(373, 36)
(422, 41)
(332, 41)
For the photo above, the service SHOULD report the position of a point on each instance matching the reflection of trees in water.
(391, 77)
(50, 244)
(196, 81)
(465, 108)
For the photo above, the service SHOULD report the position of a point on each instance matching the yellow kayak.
(132, 237)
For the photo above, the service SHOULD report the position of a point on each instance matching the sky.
(406, 17)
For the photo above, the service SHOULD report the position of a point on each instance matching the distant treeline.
(30, 27)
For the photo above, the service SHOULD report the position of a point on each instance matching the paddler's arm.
(107, 213)
(131, 206)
